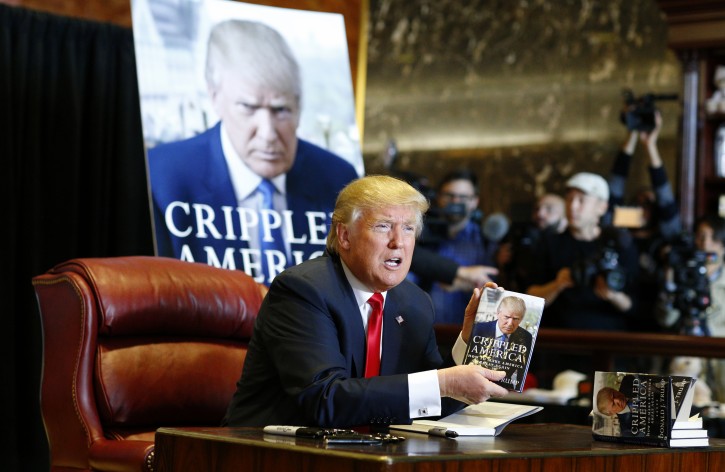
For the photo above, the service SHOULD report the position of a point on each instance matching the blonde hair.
(372, 192)
(255, 50)
(511, 302)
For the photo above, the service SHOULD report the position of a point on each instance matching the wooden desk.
(520, 448)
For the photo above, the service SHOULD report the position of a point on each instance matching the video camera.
(604, 262)
(690, 287)
(639, 113)
(436, 222)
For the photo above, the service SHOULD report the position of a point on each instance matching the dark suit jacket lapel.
(355, 335)
(216, 180)
(519, 337)
(358, 339)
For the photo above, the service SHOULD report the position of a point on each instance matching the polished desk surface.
(519, 447)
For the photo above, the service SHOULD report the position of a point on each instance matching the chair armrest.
(122, 455)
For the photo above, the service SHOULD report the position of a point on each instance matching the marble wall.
(526, 92)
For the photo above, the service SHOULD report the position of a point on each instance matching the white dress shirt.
(424, 398)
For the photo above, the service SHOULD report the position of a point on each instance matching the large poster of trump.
(249, 123)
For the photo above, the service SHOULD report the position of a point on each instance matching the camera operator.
(693, 296)
(427, 265)
(585, 273)
(659, 208)
(660, 219)
(693, 299)
(453, 230)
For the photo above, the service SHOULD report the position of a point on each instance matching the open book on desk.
(483, 419)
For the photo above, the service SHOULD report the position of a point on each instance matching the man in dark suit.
(247, 193)
(505, 328)
(307, 360)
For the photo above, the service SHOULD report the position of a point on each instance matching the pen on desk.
(442, 432)
(298, 431)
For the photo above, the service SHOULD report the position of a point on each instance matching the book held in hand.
(484, 419)
(647, 409)
(504, 333)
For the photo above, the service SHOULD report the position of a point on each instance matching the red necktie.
(375, 325)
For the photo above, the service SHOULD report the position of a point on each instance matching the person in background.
(550, 213)
(308, 363)
(517, 250)
(427, 264)
(573, 299)
(247, 193)
(660, 222)
(455, 233)
(659, 208)
(571, 272)
(693, 305)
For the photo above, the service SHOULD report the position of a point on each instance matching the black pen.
(442, 432)
(297, 431)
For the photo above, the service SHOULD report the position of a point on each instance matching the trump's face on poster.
(261, 123)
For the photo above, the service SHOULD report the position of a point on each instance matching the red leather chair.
(134, 343)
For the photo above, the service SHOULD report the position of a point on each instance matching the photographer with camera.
(453, 230)
(585, 274)
(427, 265)
(660, 216)
(692, 300)
(660, 219)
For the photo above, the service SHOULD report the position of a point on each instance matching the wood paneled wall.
(119, 12)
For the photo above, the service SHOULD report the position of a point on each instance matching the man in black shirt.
(571, 269)
(585, 273)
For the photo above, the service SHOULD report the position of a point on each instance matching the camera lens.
(615, 280)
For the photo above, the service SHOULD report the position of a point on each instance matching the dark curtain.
(75, 186)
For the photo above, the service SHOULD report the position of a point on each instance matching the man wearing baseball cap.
(568, 269)
(592, 184)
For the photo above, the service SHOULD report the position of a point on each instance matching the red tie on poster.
(375, 324)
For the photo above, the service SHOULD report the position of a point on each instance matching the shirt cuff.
(459, 350)
(424, 394)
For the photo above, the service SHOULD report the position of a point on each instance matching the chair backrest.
(134, 343)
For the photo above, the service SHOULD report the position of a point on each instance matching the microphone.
(495, 226)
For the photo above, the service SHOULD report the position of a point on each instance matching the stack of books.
(689, 433)
(646, 409)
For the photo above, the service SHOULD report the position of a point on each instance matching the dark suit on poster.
(519, 336)
(306, 359)
(194, 171)
(625, 418)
